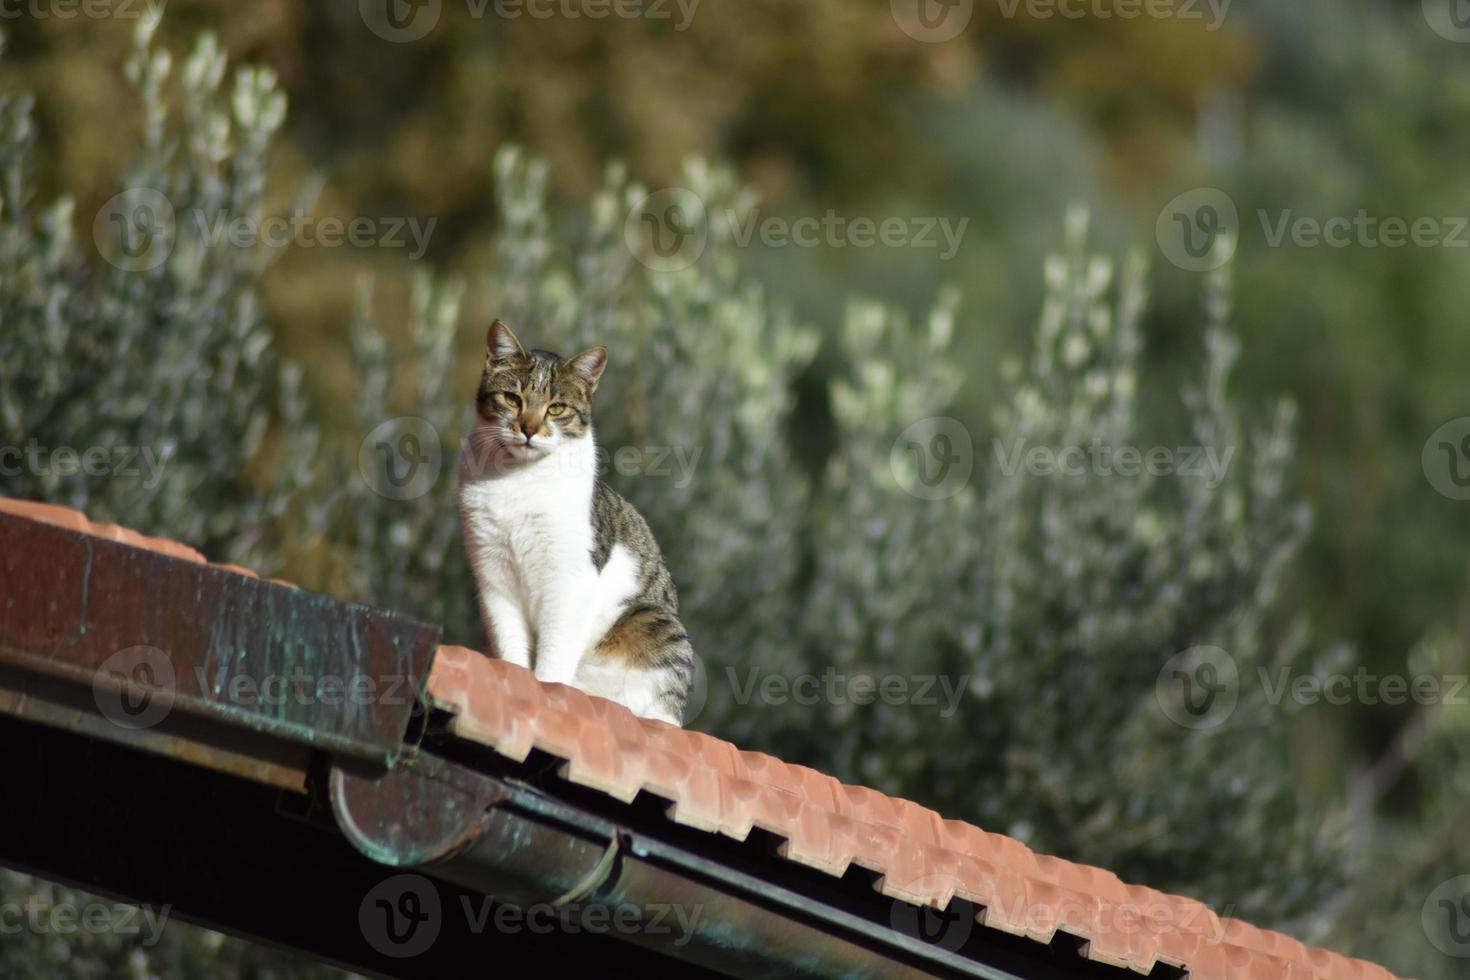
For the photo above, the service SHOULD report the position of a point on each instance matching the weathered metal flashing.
(240, 857)
(529, 849)
(138, 646)
(422, 811)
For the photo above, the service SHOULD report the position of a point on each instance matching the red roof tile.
(920, 857)
(77, 521)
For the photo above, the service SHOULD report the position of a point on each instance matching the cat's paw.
(553, 675)
(663, 715)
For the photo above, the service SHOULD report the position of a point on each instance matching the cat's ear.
(589, 365)
(501, 344)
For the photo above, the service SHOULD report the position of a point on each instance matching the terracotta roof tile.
(74, 520)
(919, 856)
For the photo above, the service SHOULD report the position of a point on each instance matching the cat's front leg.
(506, 629)
(564, 629)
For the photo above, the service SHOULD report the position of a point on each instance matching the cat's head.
(532, 403)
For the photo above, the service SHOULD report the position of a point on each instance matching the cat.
(571, 582)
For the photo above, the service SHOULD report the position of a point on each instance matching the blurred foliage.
(174, 357)
(1062, 595)
(795, 546)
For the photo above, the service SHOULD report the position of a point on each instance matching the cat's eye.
(557, 408)
(511, 399)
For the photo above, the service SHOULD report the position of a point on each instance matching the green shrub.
(164, 356)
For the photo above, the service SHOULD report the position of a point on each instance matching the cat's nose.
(528, 429)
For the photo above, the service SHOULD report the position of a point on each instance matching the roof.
(915, 855)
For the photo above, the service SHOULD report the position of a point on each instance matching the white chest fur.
(528, 530)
